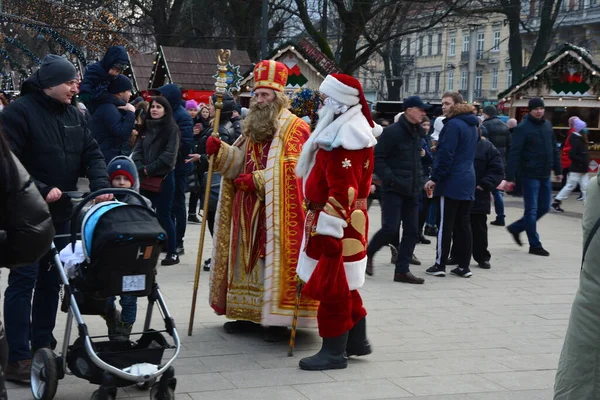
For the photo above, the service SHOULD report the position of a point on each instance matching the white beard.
(305, 163)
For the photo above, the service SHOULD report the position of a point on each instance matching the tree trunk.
(512, 9)
(546, 33)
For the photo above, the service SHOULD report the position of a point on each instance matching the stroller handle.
(91, 197)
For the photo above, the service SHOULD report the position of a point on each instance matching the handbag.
(152, 184)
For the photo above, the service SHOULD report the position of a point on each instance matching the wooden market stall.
(307, 68)
(569, 84)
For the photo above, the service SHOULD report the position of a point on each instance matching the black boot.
(331, 356)
(358, 344)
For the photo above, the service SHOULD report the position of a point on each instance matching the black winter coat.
(578, 154)
(111, 127)
(398, 158)
(26, 228)
(157, 148)
(54, 144)
(489, 172)
(499, 135)
(533, 152)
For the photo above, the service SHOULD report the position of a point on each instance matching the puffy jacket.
(96, 78)
(185, 123)
(53, 142)
(577, 375)
(453, 170)
(533, 150)
(489, 172)
(499, 135)
(578, 154)
(398, 159)
(26, 228)
(565, 160)
(156, 150)
(111, 127)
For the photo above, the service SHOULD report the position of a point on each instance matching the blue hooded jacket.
(111, 127)
(96, 78)
(453, 170)
(185, 122)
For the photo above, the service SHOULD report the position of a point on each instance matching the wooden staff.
(299, 285)
(221, 87)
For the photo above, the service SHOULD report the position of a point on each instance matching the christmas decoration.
(233, 77)
(295, 77)
(305, 103)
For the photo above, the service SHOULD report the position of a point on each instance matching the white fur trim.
(355, 271)
(331, 226)
(351, 131)
(342, 93)
(377, 130)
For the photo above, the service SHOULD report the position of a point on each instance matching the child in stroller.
(123, 174)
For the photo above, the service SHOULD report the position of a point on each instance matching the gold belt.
(361, 204)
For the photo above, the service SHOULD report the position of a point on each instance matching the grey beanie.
(54, 71)
(490, 111)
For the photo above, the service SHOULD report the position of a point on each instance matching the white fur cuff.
(330, 226)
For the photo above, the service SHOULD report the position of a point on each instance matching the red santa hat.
(347, 90)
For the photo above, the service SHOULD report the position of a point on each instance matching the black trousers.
(397, 210)
(455, 225)
(479, 229)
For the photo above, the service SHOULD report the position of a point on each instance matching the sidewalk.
(495, 336)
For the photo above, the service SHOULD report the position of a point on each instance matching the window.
(439, 44)
(436, 85)
(406, 84)
(418, 83)
(463, 80)
(465, 43)
(494, 79)
(480, 45)
(509, 78)
(427, 79)
(421, 39)
(450, 85)
(406, 50)
(496, 46)
(478, 82)
(429, 45)
(452, 46)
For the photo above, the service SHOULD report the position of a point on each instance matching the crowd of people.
(284, 247)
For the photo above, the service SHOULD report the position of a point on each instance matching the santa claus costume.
(336, 165)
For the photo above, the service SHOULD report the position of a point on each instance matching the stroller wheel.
(44, 374)
(145, 385)
(156, 395)
(96, 396)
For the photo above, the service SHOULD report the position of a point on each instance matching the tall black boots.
(331, 356)
(358, 345)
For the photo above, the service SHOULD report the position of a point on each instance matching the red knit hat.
(347, 90)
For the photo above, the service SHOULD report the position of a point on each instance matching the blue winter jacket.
(453, 170)
(111, 127)
(533, 151)
(185, 122)
(96, 78)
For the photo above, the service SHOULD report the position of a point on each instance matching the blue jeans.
(432, 212)
(395, 210)
(178, 209)
(163, 202)
(499, 204)
(26, 321)
(537, 194)
(128, 307)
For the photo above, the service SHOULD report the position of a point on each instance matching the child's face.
(193, 112)
(114, 71)
(426, 126)
(121, 182)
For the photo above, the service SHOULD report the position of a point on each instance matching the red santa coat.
(336, 185)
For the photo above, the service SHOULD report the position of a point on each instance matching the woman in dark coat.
(26, 229)
(155, 155)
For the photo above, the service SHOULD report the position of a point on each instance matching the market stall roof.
(307, 65)
(575, 54)
(191, 68)
(140, 69)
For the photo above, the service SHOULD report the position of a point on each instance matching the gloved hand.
(330, 246)
(245, 182)
(213, 144)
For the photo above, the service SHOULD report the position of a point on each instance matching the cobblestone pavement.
(495, 336)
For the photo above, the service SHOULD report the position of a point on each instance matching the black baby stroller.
(120, 244)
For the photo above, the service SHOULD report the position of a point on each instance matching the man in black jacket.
(499, 135)
(398, 165)
(533, 155)
(51, 139)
